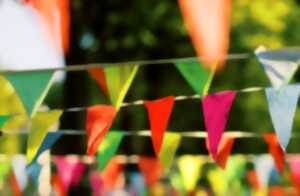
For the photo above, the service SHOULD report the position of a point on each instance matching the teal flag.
(109, 147)
(3, 120)
(31, 87)
(196, 75)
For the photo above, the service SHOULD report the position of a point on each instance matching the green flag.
(3, 120)
(41, 123)
(109, 147)
(169, 148)
(31, 87)
(196, 75)
(118, 81)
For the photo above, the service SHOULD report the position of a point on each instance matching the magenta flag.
(216, 108)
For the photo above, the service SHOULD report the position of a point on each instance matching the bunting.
(111, 174)
(210, 37)
(196, 75)
(294, 164)
(169, 147)
(96, 183)
(3, 120)
(151, 169)
(263, 167)
(19, 169)
(115, 81)
(275, 150)
(253, 180)
(69, 171)
(216, 108)
(31, 87)
(98, 121)
(41, 123)
(279, 65)
(33, 171)
(282, 108)
(159, 112)
(108, 148)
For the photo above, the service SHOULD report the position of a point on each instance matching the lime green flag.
(196, 75)
(31, 87)
(118, 81)
(40, 125)
(108, 147)
(190, 170)
(169, 148)
(3, 120)
(5, 166)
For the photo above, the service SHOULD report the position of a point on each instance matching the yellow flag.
(41, 123)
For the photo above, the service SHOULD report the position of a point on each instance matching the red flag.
(111, 174)
(275, 150)
(98, 121)
(99, 75)
(57, 185)
(151, 169)
(159, 112)
(208, 23)
(56, 16)
(224, 150)
(294, 163)
(253, 179)
(277, 191)
(15, 186)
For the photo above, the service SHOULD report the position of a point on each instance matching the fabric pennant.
(99, 76)
(190, 170)
(159, 112)
(263, 167)
(108, 148)
(151, 169)
(3, 120)
(280, 65)
(253, 180)
(216, 108)
(111, 174)
(294, 164)
(196, 75)
(31, 87)
(282, 108)
(19, 169)
(96, 183)
(34, 171)
(210, 37)
(118, 81)
(169, 147)
(275, 150)
(224, 150)
(70, 171)
(98, 121)
(40, 125)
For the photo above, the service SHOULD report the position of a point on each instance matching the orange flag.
(98, 121)
(50, 11)
(275, 150)
(208, 23)
(159, 112)
(151, 169)
(224, 150)
(14, 185)
(277, 191)
(253, 180)
(99, 75)
(111, 173)
(57, 185)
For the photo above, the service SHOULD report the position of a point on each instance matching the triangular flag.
(19, 169)
(190, 170)
(69, 170)
(40, 125)
(210, 37)
(15, 186)
(275, 150)
(253, 179)
(294, 163)
(263, 166)
(216, 108)
(169, 147)
(118, 81)
(98, 121)
(3, 120)
(4, 171)
(111, 174)
(108, 147)
(151, 169)
(224, 150)
(99, 75)
(96, 183)
(159, 112)
(57, 185)
(282, 107)
(279, 65)
(196, 75)
(235, 169)
(34, 171)
(31, 87)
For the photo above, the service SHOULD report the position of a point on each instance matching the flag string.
(84, 67)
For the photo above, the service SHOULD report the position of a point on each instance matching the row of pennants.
(184, 176)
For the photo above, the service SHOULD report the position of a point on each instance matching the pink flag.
(208, 23)
(294, 163)
(159, 112)
(96, 183)
(69, 171)
(216, 108)
(98, 121)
